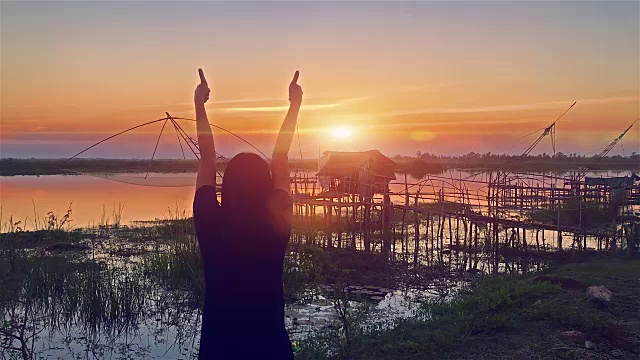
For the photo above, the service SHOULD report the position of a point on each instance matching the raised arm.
(280, 157)
(207, 168)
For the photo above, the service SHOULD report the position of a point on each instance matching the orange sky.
(405, 77)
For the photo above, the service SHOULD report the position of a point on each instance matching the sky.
(439, 77)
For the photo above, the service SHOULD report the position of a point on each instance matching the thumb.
(295, 78)
(202, 78)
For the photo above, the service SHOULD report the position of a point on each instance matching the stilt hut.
(364, 173)
(621, 190)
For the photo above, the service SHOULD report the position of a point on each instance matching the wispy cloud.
(517, 107)
(277, 108)
(250, 104)
(410, 89)
(424, 124)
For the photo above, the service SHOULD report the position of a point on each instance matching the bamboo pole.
(416, 249)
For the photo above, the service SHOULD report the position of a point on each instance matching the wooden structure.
(364, 173)
(490, 213)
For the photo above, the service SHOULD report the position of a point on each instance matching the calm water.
(94, 199)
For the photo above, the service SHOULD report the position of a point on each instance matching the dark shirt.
(243, 315)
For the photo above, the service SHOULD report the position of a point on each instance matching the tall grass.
(60, 294)
(180, 266)
(113, 219)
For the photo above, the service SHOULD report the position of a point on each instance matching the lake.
(92, 198)
(96, 198)
(119, 269)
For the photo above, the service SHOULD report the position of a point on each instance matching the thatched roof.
(340, 163)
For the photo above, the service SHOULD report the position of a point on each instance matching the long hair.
(246, 184)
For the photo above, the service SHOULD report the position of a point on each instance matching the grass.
(498, 317)
(417, 167)
(440, 325)
(509, 317)
(72, 293)
(179, 268)
(12, 167)
(60, 292)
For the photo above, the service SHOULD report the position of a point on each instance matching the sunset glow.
(341, 132)
(440, 77)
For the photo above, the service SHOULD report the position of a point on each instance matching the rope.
(191, 143)
(156, 148)
(112, 136)
(179, 139)
(236, 135)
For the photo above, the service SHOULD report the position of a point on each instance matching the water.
(92, 199)
(144, 319)
(95, 199)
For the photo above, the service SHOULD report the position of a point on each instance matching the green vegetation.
(508, 317)
(11, 167)
(179, 267)
(114, 279)
(92, 286)
(559, 163)
(418, 166)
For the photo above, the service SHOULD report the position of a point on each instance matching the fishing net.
(154, 179)
(179, 171)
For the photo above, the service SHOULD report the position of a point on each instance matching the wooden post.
(338, 222)
(405, 226)
(441, 227)
(387, 218)
(457, 230)
(393, 229)
(440, 236)
(434, 237)
(559, 240)
(326, 224)
(426, 238)
(367, 215)
(475, 237)
(330, 226)
(353, 221)
(450, 231)
(508, 239)
(417, 232)
(468, 228)
(558, 222)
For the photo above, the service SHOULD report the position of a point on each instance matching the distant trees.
(538, 162)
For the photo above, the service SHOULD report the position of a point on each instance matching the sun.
(341, 132)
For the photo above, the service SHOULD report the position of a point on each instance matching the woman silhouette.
(243, 242)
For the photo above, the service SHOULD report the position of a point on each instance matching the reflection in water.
(69, 306)
(93, 199)
(120, 295)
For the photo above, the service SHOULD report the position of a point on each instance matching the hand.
(295, 91)
(201, 95)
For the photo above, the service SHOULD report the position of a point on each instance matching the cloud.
(277, 108)
(454, 121)
(517, 107)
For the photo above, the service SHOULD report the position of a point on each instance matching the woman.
(243, 242)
